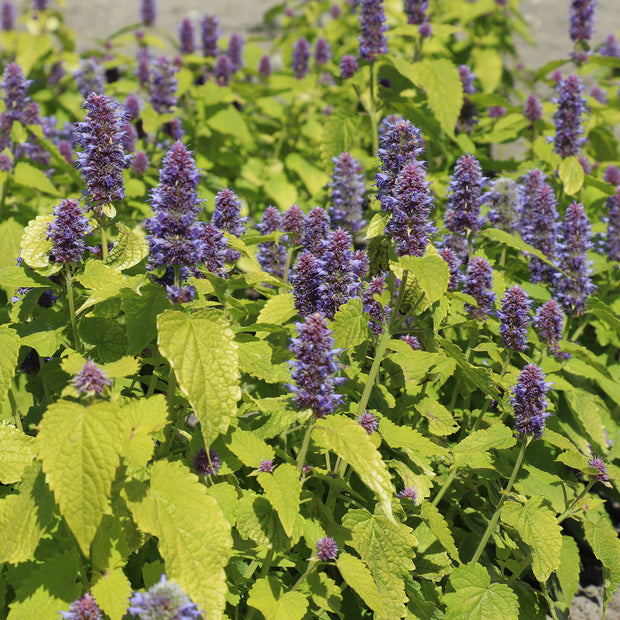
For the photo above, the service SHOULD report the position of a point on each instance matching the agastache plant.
(186, 37)
(347, 193)
(163, 600)
(301, 57)
(315, 231)
(271, 255)
(568, 117)
(514, 318)
(90, 77)
(148, 12)
(91, 380)
(504, 201)
(415, 11)
(226, 217)
(378, 313)
(479, 284)
(163, 85)
(234, 52)
(348, 66)
(582, 19)
(372, 24)
(7, 16)
(209, 33)
(612, 239)
(84, 608)
(67, 231)
(548, 323)
(529, 402)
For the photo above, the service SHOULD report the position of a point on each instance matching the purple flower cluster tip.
(479, 284)
(163, 600)
(67, 232)
(514, 318)
(206, 464)
(326, 549)
(347, 193)
(568, 125)
(91, 380)
(84, 608)
(529, 401)
(372, 40)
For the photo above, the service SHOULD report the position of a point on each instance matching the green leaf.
(416, 365)
(202, 351)
(112, 591)
(194, 537)
(431, 273)
(105, 282)
(572, 175)
(538, 528)
(358, 577)
(501, 236)
(352, 444)
(141, 310)
(268, 596)
(80, 448)
(226, 496)
(259, 522)
(25, 516)
(475, 598)
(314, 179)
(45, 333)
(324, 592)
(255, 359)
(410, 439)
(229, 122)
(128, 250)
(440, 79)
(498, 437)
(35, 246)
(587, 410)
(9, 345)
(603, 539)
(248, 448)
(568, 570)
(278, 310)
(29, 176)
(152, 120)
(488, 66)
(339, 131)
(350, 327)
(440, 420)
(377, 225)
(106, 335)
(439, 527)
(10, 235)
(283, 489)
(16, 453)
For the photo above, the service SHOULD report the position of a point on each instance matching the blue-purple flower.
(163, 85)
(596, 462)
(465, 197)
(548, 323)
(7, 16)
(532, 109)
(84, 608)
(67, 232)
(416, 11)
(293, 222)
(479, 284)
(148, 12)
(315, 231)
(266, 466)
(90, 77)
(368, 422)
(504, 202)
(326, 549)
(163, 600)
(514, 318)
(186, 37)
(315, 367)
(581, 19)
(206, 464)
(347, 193)
(467, 79)
(140, 163)
(529, 401)
(612, 240)
(15, 85)
(264, 66)
(322, 52)
(132, 107)
(301, 57)
(223, 70)
(348, 66)
(209, 33)
(568, 125)
(305, 281)
(611, 175)
(215, 251)
(236, 43)
(379, 314)
(454, 265)
(409, 493)
(226, 217)
(372, 40)
(271, 255)
(91, 380)
(610, 47)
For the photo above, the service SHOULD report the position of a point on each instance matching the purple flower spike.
(347, 193)
(368, 422)
(266, 466)
(496, 111)
(467, 79)
(409, 226)
(209, 33)
(223, 70)
(454, 265)
(571, 106)
(163, 86)
(264, 66)
(597, 463)
(412, 341)
(599, 94)
(6, 163)
(293, 222)
(581, 19)
(180, 294)
(531, 182)
(143, 64)
(315, 367)
(84, 608)
(322, 52)
(610, 47)
(7, 16)
(305, 281)
(530, 403)
(515, 317)
(140, 163)
(549, 323)
(103, 159)
(416, 11)
(186, 37)
(67, 232)
(573, 289)
(206, 465)
(465, 197)
(612, 175)
(90, 77)
(148, 12)
(425, 30)
(612, 241)
(348, 66)
(91, 380)
(271, 255)
(532, 109)
(326, 549)
(163, 600)
(301, 56)
(40, 5)
(234, 52)
(372, 41)
(214, 250)
(315, 231)
(174, 234)
(504, 205)
(226, 218)
(409, 493)
(378, 313)
(132, 107)
(15, 85)
(479, 284)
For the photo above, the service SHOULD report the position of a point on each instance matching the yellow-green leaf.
(9, 345)
(112, 591)
(358, 577)
(603, 539)
(314, 179)
(202, 351)
(80, 448)
(194, 537)
(35, 246)
(249, 448)
(16, 453)
(350, 326)
(268, 596)
(572, 175)
(431, 272)
(128, 250)
(568, 570)
(27, 175)
(439, 526)
(283, 488)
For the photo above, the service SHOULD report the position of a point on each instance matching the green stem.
(69, 284)
(304, 447)
(567, 513)
(493, 523)
(287, 265)
(374, 370)
(310, 568)
(17, 417)
(104, 241)
(152, 384)
(487, 403)
(446, 485)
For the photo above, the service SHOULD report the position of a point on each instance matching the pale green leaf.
(229, 121)
(498, 437)
(350, 442)
(339, 131)
(141, 310)
(10, 235)
(416, 365)
(226, 497)
(128, 250)
(16, 453)
(313, 178)
(440, 420)
(587, 410)
(25, 516)
(202, 351)
(377, 225)
(501, 236)
(537, 526)
(488, 66)
(358, 577)
(255, 359)
(572, 175)
(475, 598)
(112, 591)
(282, 488)
(278, 310)
(350, 326)
(603, 539)
(80, 448)
(325, 592)
(268, 596)
(439, 526)
(249, 448)
(191, 547)
(9, 345)
(409, 439)
(35, 246)
(431, 273)
(27, 175)
(568, 570)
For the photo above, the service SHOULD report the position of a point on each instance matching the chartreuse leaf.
(377, 225)
(128, 250)
(498, 437)
(440, 420)
(112, 591)
(80, 448)
(314, 179)
(358, 577)
(587, 410)
(16, 453)
(277, 310)
(283, 488)
(9, 345)
(603, 539)
(202, 351)
(325, 592)
(338, 134)
(268, 596)
(194, 537)
(248, 448)
(572, 175)
(25, 516)
(431, 273)
(141, 310)
(475, 598)
(501, 236)
(409, 439)
(255, 359)
(538, 528)
(568, 570)
(387, 550)
(29, 176)
(439, 526)
(350, 327)
(352, 444)
(35, 247)
(226, 496)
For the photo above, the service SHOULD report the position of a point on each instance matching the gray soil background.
(548, 20)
